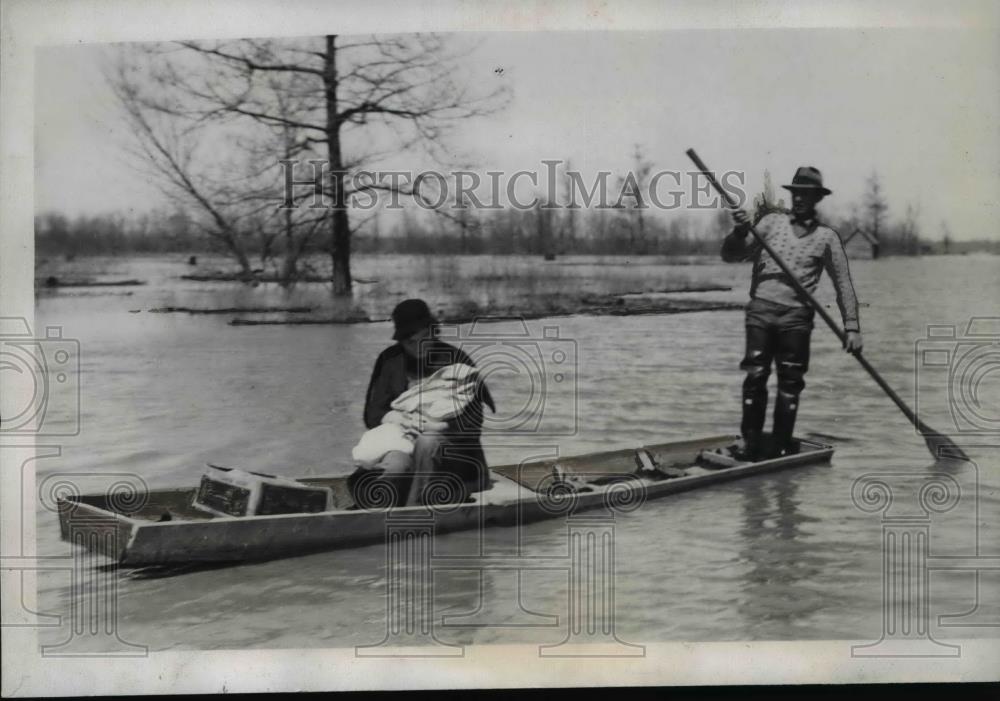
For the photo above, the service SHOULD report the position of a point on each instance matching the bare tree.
(465, 221)
(876, 206)
(635, 185)
(568, 232)
(349, 101)
(945, 237)
(175, 154)
(544, 216)
(909, 231)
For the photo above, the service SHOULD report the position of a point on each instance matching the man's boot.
(752, 426)
(786, 407)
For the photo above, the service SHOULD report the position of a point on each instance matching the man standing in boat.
(454, 449)
(779, 321)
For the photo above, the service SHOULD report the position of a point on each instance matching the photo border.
(31, 24)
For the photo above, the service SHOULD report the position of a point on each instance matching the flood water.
(773, 557)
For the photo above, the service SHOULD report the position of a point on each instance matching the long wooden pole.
(940, 445)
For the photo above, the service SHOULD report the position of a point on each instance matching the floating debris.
(606, 305)
(681, 290)
(301, 322)
(249, 277)
(255, 277)
(232, 310)
(53, 281)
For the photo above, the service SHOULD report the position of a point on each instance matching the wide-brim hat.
(410, 316)
(808, 178)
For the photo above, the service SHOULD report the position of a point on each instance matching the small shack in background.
(861, 244)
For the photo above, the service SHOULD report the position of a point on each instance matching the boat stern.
(86, 522)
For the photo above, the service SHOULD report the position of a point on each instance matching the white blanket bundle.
(424, 408)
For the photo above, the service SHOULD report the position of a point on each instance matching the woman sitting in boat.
(450, 450)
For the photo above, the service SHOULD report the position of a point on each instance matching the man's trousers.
(776, 334)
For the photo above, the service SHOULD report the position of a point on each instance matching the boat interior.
(663, 461)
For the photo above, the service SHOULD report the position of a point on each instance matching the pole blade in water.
(942, 447)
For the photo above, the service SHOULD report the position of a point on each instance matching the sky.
(919, 106)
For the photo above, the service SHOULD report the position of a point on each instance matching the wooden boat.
(619, 480)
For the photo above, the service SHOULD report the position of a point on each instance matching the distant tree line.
(627, 230)
(116, 234)
(550, 232)
(500, 232)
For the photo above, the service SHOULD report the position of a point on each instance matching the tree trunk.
(642, 233)
(340, 224)
(241, 257)
(341, 254)
(289, 271)
(229, 240)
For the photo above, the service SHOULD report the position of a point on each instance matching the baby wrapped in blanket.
(424, 408)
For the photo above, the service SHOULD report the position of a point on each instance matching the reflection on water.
(781, 560)
(773, 557)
